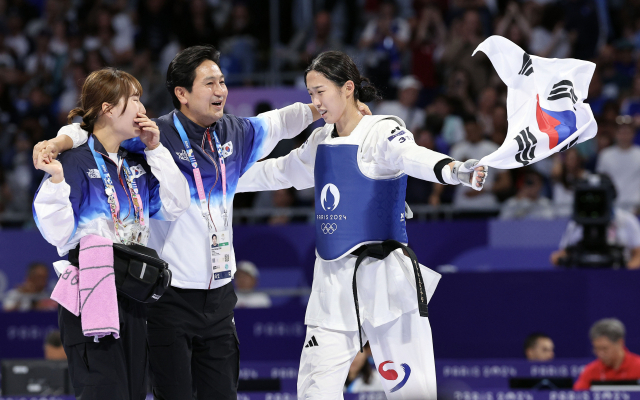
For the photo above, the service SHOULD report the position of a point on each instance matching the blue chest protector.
(352, 209)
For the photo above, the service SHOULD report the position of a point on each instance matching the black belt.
(381, 251)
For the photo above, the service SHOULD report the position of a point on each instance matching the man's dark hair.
(182, 70)
(53, 339)
(33, 266)
(531, 340)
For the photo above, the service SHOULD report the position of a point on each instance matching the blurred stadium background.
(498, 285)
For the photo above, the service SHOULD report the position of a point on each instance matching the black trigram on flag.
(561, 90)
(569, 145)
(526, 146)
(312, 342)
(527, 67)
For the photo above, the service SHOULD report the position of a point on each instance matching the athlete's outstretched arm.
(295, 169)
(399, 151)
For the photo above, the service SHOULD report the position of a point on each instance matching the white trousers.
(402, 350)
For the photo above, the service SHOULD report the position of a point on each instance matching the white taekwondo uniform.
(399, 338)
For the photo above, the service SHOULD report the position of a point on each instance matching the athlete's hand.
(50, 166)
(470, 175)
(149, 131)
(47, 147)
(363, 108)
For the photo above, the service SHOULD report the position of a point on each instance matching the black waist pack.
(140, 274)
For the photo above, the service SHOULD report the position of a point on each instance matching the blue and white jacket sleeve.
(79, 137)
(56, 209)
(295, 169)
(169, 193)
(267, 129)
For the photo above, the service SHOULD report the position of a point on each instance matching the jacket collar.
(99, 148)
(194, 131)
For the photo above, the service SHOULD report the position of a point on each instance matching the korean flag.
(545, 105)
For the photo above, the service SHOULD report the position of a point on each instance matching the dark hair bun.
(367, 92)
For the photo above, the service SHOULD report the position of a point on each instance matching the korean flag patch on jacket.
(227, 149)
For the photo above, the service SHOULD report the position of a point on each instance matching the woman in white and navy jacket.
(101, 189)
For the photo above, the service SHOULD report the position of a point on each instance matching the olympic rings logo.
(328, 228)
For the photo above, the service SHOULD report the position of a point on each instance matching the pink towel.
(66, 293)
(98, 299)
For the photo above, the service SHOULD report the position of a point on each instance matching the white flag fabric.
(545, 105)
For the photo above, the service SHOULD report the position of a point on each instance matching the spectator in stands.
(486, 106)
(384, 39)
(53, 349)
(499, 124)
(528, 203)
(154, 16)
(631, 105)
(615, 362)
(466, 36)
(16, 39)
(568, 169)
(538, 347)
(310, 42)
(41, 62)
(596, 97)
(19, 178)
(428, 40)
(452, 129)
(239, 44)
(459, 89)
(33, 293)
(284, 199)
(196, 24)
(514, 26)
(549, 39)
(474, 146)
(621, 162)
(583, 27)
(246, 279)
(405, 107)
(612, 80)
(363, 376)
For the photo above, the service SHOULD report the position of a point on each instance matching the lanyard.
(112, 198)
(204, 206)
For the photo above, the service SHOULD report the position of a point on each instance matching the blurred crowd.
(418, 52)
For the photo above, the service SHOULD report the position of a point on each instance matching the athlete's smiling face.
(329, 99)
(204, 104)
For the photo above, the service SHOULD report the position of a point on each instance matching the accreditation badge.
(139, 234)
(221, 254)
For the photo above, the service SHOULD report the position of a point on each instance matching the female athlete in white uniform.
(359, 165)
